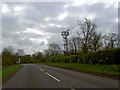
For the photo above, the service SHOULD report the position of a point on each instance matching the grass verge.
(98, 69)
(9, 70)
(0, 72)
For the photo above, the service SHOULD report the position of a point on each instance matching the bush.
(8, 60)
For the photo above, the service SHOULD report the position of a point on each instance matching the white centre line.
(41, 70)
(48, 74)
(72, 89)
(52, 76)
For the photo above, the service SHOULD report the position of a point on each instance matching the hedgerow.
(106, 56)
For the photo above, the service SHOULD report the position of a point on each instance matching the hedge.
(106, 56)
(61, 58)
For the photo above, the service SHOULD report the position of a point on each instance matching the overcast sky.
(32, 25)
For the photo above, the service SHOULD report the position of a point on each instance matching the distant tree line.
(10, 56)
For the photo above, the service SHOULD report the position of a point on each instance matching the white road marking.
(72, 89)
(52, 76)
(48, 74)
(41, 70)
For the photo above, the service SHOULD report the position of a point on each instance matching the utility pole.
(65, 39)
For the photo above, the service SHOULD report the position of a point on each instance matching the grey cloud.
(48, 8)
(56, 38)
(104, 16)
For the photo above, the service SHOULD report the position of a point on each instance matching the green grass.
(112, 70)
(9, 70)
(0, 72)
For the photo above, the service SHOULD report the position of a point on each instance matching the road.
(42, 76)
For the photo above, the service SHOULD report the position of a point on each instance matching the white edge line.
(52, 76)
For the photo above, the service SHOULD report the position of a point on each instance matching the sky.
(31, 26)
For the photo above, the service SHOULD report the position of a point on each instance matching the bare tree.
(95, 41)
(20, 52)
(71, 47)
(8, 50)
(54, 49)
(87, 28)
(75, 44)
(37, 56)
(46, 52)
(110, 40)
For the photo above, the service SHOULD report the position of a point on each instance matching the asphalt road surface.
(42, 76)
